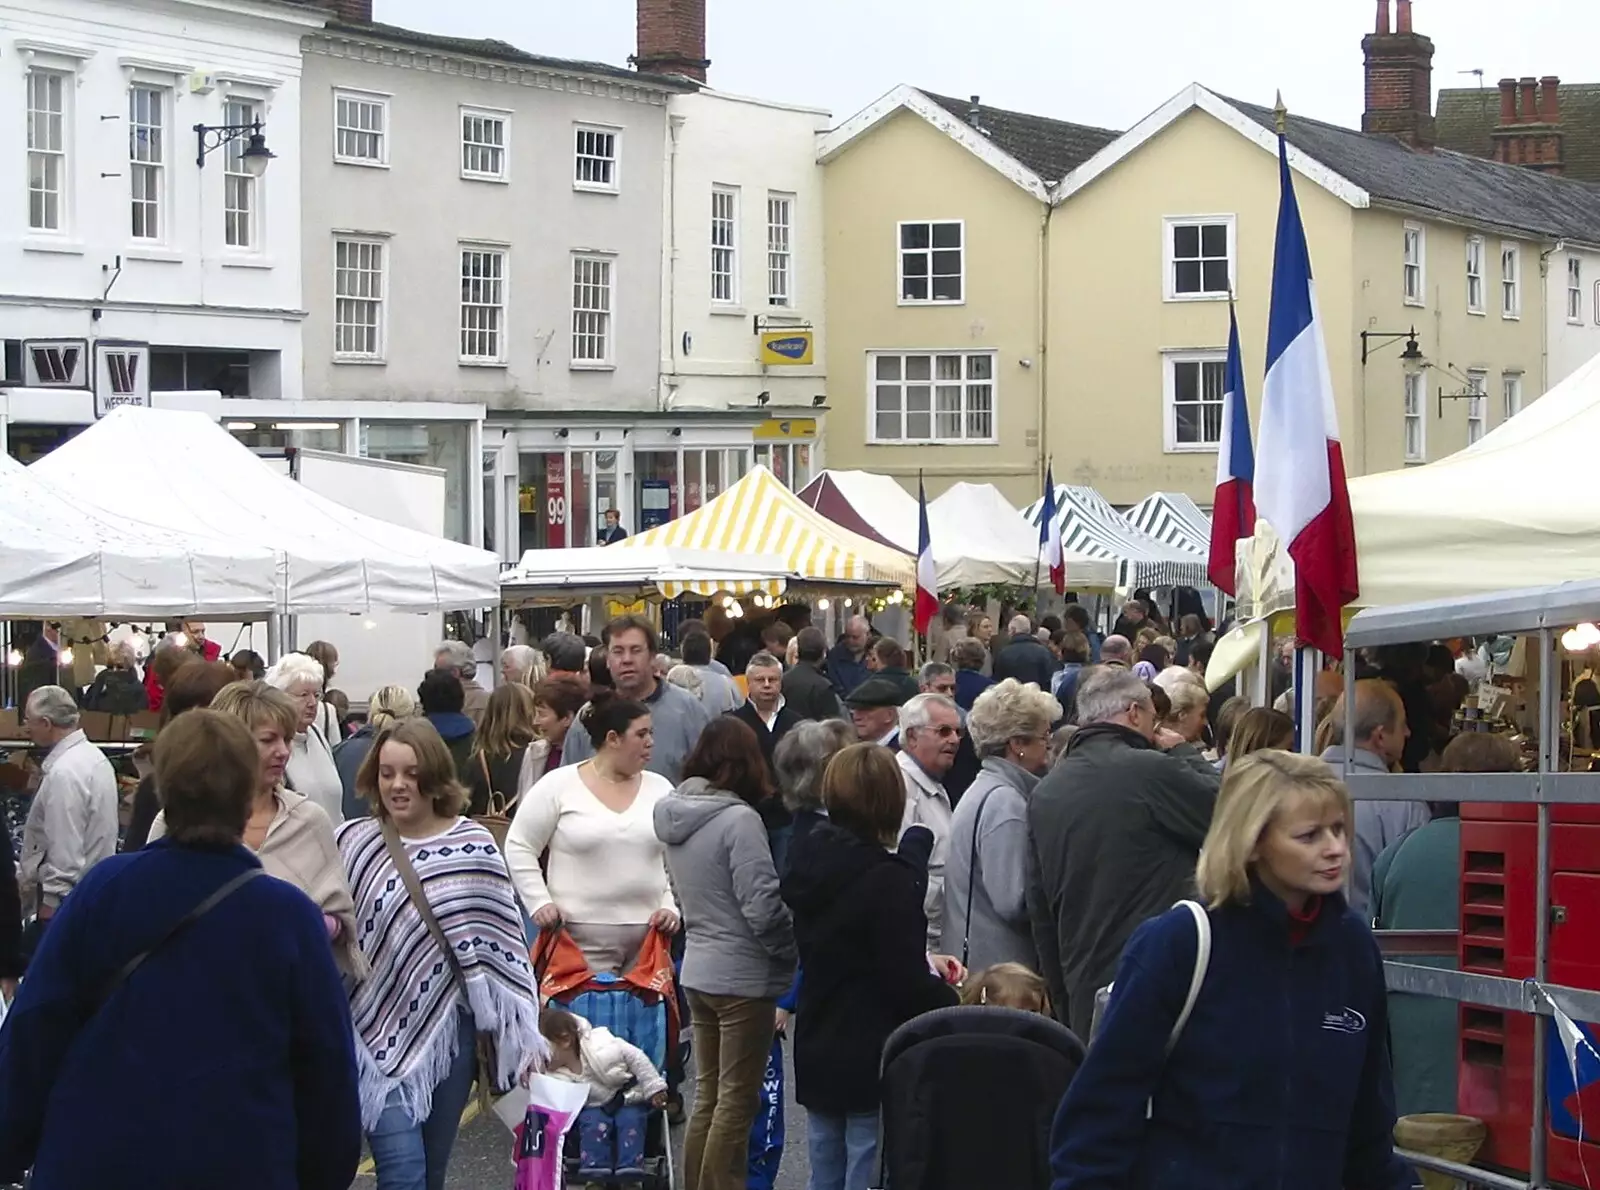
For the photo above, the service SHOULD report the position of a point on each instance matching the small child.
(1008, 985)
(582, 1053)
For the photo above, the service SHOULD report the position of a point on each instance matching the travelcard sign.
(784, 348)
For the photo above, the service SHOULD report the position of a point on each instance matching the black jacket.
(1027, 659)
(505, 771)
(10, 912)
(1116, 829)
(41, 666)
(809, 693)
(116, 692)
(908, 684)
(844, 670)
(862, 935)
(772, 810)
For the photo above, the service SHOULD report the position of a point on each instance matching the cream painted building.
(1097, 280)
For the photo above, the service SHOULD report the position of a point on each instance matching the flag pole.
(921, 637)
(1038, 560)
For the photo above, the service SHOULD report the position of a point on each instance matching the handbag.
(1202, 964)
(497, 819)
(488, 1057)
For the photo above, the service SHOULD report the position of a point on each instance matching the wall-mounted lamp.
(1411, 358)
(214, 136)
(763, 397)
(818, 401)
(677, 431)
(562, 433)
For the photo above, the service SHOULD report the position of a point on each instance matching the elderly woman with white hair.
(1190, 700)
(311, 771)
(985, 882)
(521, 665)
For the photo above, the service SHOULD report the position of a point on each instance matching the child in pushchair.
(582, 1053)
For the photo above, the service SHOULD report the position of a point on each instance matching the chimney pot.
(1550, 99)
(1528, 107)
(1382, 26)
(1399, 80)
(1402, 17)
(1508, 102)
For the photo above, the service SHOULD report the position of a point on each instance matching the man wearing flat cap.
(875, 710)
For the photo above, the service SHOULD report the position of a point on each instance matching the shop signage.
(555, 504)
(787, 427)
(55, 363)
(655, 502)
(783, 348)
(121, 374)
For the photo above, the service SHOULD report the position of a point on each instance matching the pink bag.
(552, 1105)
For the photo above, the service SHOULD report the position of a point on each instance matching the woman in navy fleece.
(1280, 1080)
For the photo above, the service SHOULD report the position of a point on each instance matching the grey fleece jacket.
(739, 937)
(996, 895)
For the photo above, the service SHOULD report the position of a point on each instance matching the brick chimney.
(1399, 77)
(1529, 132)
(672, 38)
(351, 12)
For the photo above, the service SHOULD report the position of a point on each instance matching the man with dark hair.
(442, 700)
(1077, 616)
(613, 531)
(719, 693)
(891, 660)
(676, 716)
(687, 628)
(805, 687)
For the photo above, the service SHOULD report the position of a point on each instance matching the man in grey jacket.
(72, 824)
(1380, 741)
(676, 716)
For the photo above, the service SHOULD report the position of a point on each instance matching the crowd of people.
(817, 841)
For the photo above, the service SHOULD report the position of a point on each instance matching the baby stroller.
(617, 1144)
(969, 1095)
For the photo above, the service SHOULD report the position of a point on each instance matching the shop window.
(789, 462)
(442, 444)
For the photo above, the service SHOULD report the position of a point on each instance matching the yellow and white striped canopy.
(759, 515)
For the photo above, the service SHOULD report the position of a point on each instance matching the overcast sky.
(1106, 62)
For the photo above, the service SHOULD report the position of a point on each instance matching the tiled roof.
(505, 52)
(1467, 116)
(1050, 148)
(1452, 184)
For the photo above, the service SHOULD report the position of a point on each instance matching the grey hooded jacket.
(739, 938)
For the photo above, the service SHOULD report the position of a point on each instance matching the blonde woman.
(500, 748)
(385, 708)
(1258, 729)
(1189, 699)
(985, 878)
(289, 833)
(311, 771)
(1279, 1074)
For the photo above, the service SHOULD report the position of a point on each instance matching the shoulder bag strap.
(972, 879)
(419, 899)
(1202, 963)
(178, 927)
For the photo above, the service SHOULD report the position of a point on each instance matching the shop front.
(549, 485)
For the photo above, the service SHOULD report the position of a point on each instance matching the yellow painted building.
(1099, 288)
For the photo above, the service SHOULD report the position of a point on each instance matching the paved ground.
(482, 1158)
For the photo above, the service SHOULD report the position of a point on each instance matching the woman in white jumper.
(605, 877)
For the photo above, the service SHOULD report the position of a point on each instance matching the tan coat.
(300, 850)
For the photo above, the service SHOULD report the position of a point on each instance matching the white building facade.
(744, 260)
(132, 259)
(1572, 280)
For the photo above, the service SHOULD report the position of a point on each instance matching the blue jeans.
(843, 1150)
(412, 1155)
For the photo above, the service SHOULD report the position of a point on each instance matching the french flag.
(1050, 536)
(1233, 512)
(1300, 481)
(927, 605)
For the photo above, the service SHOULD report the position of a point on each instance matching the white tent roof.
(62, 556)
(1520, 508)
(668, 571)
(207, 487)
(978, 537)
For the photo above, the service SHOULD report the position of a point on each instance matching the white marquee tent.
(559, 575)
(207, 487)
(62, 556)
(979, 538)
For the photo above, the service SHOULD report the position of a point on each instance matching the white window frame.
(1169, 398)
(1477, 404)
(1414, 254)
(1510, 279)
(237, 180)
(607, 327)
(1169, 255)
(484, 317)
(152, 167)
(379, 303)
(1574, 289)
(780, 250)
(579, 157)
(371, 99)
(1477, 298)
(724, 245)
(1510, 394)
(61, 152)
(900, 259)
(1414, 414)
(488, 114)
(965, 383)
